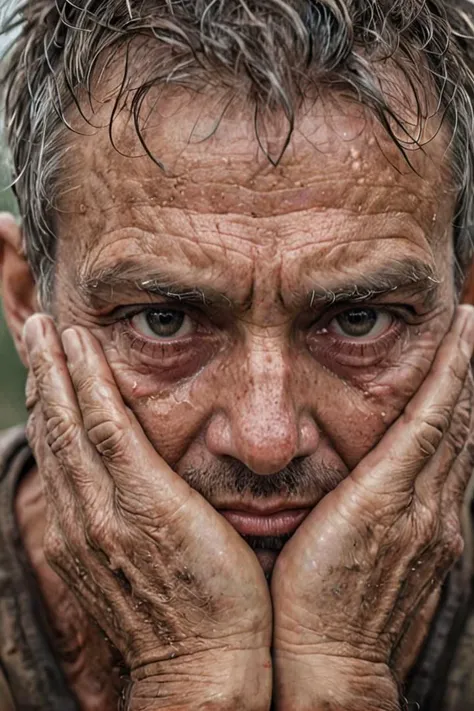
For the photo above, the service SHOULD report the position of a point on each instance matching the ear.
(17, 283)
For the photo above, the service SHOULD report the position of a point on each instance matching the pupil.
(165, 323)
(358, 322)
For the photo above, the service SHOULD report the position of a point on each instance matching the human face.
(265, 324)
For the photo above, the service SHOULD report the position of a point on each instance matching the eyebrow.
(128, 276)
(407, 275)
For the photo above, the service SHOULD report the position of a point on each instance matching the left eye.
(162, 323)
(361, 323)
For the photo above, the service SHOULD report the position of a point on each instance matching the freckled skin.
(268, 235)
(261, 383)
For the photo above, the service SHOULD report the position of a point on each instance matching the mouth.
(278, 523)
(266, 529)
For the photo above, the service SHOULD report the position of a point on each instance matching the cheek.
(172, 414)
(372, 402)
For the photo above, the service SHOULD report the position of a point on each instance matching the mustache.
(301, 479)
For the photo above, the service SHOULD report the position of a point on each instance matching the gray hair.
(273, 51)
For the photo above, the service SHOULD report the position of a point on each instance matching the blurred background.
(12, 376)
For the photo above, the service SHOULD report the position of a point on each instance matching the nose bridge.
(264, 426)
(268, 374)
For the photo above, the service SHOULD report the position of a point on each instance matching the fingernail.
(72, 344)
(33, 331)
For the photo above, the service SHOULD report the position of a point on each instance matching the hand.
(373, 554)
(172, 585)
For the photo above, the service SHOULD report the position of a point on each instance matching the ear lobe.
(17, 282)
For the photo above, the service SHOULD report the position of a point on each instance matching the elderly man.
(245, 230)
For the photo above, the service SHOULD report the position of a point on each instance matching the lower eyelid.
(356, 353)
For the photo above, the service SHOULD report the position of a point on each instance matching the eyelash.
(329, 347)
(357, 354)
(121, 321)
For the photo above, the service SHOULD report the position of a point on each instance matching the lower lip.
(276, 524)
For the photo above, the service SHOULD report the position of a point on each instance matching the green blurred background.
(12, 375)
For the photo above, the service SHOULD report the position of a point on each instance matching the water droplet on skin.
(384, 414)
(82, 208)
(323, 330)
(366, 394)
(134, 386)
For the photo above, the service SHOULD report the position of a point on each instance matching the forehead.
(342, 193)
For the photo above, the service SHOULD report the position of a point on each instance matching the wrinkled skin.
(263, 378)
(369, 559)
(169, 581)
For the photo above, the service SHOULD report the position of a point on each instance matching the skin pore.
(261, 396)
(257, 271)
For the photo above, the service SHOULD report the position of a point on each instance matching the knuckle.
(431, 429)
(85, 381)
(110, 438)
(61, 432)
(41, 368)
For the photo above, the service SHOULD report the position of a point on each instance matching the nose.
(260, 424)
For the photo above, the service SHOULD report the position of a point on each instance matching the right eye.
(162, 323)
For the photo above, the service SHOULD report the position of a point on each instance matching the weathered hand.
(374, 552)
(170, 582)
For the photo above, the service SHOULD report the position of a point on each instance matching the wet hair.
(267, 52)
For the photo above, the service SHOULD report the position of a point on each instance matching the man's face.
(264, 324)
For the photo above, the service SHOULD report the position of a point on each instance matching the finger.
(460, 475)
(114, 430)
(459, 484)
(31, 392)
(63, 428)
(415, 437)
(56, 487)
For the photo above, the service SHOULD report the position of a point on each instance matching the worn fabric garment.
(31, 678)
(28, 663)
